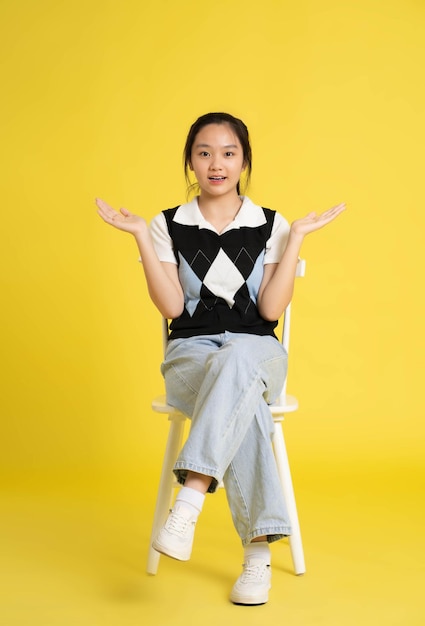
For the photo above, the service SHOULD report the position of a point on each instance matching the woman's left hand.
(312, 221)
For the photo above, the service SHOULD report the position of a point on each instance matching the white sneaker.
(252, 586)
(175, 538)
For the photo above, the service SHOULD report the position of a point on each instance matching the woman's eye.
(203, 153)
(228, 154)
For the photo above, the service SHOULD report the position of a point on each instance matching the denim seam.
(184, 381)
(240, 408)
(181, 469)
(231, 466)
(273, 533)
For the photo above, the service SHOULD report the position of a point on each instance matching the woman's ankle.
(198, 482)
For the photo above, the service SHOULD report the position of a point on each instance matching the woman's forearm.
(276, 293)
(163, 284)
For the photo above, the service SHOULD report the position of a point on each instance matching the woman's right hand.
(122, 219)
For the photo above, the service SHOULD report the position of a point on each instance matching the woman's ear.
(190, 167)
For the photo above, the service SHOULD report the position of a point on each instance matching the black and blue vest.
(220, 275)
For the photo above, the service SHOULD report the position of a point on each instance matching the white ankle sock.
(258, 549)
(190, 499)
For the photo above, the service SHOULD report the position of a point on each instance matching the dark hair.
(238, 127)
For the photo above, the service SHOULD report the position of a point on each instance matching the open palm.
(122, 219)
(313, 222)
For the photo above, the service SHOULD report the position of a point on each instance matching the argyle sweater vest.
(220, 275)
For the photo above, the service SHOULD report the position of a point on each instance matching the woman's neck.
(219, 206)
(219, 211)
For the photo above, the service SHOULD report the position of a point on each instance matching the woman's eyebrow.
(206, 145)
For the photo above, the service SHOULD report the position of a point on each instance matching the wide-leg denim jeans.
(224, 383)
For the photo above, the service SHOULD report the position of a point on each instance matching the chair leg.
(165, 490)
(295, 541)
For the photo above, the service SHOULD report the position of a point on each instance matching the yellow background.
(97, 98)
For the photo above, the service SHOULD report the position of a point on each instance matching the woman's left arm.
(277, 285)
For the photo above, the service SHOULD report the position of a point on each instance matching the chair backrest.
(300, 272)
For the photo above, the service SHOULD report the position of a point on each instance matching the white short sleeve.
(161, 239)
(276, 245)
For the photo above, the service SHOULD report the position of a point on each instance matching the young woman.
(222, 269)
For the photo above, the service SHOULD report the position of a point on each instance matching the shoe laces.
(178, 523)
(254, 572)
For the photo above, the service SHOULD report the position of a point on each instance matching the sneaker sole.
(236, 599)
(250, 600)
(178, 556)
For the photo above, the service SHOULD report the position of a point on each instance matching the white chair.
(285, 404)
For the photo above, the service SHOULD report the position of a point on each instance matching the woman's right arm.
(162, 278)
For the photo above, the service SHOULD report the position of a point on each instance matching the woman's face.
(217, 160)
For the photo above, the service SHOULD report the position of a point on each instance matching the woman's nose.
(215, 163)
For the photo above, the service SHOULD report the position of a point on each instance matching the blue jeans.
(224, 383)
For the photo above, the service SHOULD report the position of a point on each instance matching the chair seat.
(285, 404)
(159, 404)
